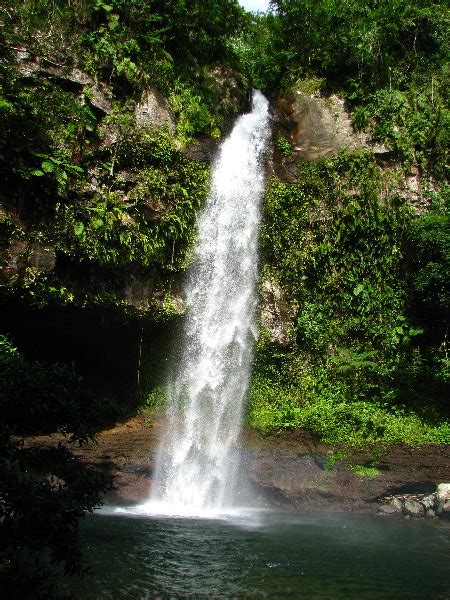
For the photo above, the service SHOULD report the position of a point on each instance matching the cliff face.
(107, 214)
(102, 175)
(106, 142)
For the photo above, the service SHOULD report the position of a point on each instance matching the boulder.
(428, 502)
(413, 508)
(138, 290)
(42, 257)
(99, 95)
(319, 126)
(202, 149)
(153, 111)
(394, 507)
(443, 498)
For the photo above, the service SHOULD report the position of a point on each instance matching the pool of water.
(264, 555)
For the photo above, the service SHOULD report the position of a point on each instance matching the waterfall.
(197, 460)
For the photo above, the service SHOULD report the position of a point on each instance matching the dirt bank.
(290, 469)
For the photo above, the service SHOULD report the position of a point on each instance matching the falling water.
(197, 461)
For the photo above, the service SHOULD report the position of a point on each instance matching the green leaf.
(97, 223)
(79, 229)
(48, 166)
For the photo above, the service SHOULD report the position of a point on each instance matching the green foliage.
(363, 43)
(43, 129)
(317, 399)
(46, 398)
(389, 60)
(319, 233)
(355, 375)
(365, 471)
(154, 224)
(41, 289)
(333, 458)
(135, 41)
(57, 165)
(430, 262)
(414, 123)
(154, 401)
(43, 492)
(283, 146)
(194, 116)
(260, 52)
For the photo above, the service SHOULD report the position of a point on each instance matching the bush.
(43, 491)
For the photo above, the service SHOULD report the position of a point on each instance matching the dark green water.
(278, 555)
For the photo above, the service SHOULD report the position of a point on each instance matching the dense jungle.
(111, 113)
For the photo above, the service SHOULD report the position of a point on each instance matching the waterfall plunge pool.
(265, 555)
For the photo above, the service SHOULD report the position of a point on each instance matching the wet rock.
(126, 179)
(99, 95)
(42, 257)
(428, 502)
(138, 291)
(413, 508)
(78, 76)
(109, 133)
(17, 259)
(430, 513)
(317, 127)
(394, 507)
(153, 111)
(276, 314)
(127, 176)
(153, 209)
(56, 483)
(22, 254)
(203, 149)
(443, 497)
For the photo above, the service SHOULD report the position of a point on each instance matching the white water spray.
(197, 460)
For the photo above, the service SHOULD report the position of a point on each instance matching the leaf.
(74, 169)
(5, 104)
(358, 289)
(79, 229)
(48, 166)
(97, 223)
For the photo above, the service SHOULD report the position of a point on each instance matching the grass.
(365, 471)
(337, 420)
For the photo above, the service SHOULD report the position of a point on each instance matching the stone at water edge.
(443, 497)
(428, 502)
(395, 507)
(413, 508)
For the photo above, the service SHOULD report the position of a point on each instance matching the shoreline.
(290, 470)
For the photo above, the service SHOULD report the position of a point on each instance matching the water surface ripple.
(298, 556)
